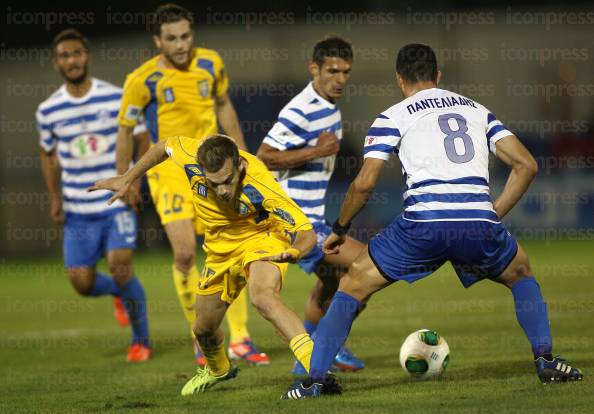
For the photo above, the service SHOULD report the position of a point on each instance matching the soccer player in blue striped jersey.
(77, 127)
(443, 141)
(301, 147)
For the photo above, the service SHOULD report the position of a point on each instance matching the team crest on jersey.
(103, 115)
(202, 190)
(242, 208)
(169, 96)
(370, 140)
(203, 88)
(88, 145)
(284, 215)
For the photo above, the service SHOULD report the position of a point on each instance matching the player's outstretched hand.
(118, 184)
(288, 256)
(332, 243)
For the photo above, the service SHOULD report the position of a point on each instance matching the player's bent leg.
(330, 275)
(183, 243)
(185, 275)
(532, 315)
(134, 299)
(361, 281)
(88, 282)
(82, 279)
(264, 285)
(241, 346)
(518, 269)
(210, 311)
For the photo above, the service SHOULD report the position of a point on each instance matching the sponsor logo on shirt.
(88, 145)
(284, 215)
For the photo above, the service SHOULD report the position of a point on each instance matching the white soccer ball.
(424, 354)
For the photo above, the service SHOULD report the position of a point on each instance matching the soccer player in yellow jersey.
(252, 230)
(183, 91)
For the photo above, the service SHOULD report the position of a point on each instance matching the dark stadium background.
(529, 62)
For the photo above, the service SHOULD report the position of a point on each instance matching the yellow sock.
(302, 347)
(216, 359)
(237, 316)
(186, 285)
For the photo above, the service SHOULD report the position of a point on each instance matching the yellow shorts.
(172, 195)
(228, 274)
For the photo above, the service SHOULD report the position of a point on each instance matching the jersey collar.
(311, 92)
(83, 98)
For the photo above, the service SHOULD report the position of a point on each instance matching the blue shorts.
(410, 250)
(309, 262)
(86, 240)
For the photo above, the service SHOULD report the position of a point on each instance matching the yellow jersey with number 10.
(262, 204)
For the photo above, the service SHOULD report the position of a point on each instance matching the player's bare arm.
(228, 119)
(523, 170)
(51, 175)
(355, 199)
(281, 160)
(129, 146)
(121, 184)
(124, 148)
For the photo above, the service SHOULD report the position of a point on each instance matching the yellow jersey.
(173, 101)
(262, 205)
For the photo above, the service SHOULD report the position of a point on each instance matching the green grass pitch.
(63, 353)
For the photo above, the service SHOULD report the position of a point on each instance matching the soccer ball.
(424, 354)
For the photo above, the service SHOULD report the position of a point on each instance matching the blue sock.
(531, 311)
(310, 327)
(104, 285)
(331, 333)
(135, 302)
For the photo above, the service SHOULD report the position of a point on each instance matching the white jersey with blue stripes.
(443, 141)
(83, 133)
(299, 124)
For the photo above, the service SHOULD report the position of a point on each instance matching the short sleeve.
(134, 98)
(495, 130)
(290, 131)
(47, 139)
(222, 79)
(383, 139)
(140, 126)
(182, 150)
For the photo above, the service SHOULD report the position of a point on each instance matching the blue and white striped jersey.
(443, 141)
(83, 132)
(299, 124)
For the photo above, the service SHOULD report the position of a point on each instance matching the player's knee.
(265, 302)
(83, 286)
(515, 277)
(353, 286)
(184, 259)
(518, 270)
(204, 329)
(121, 270)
